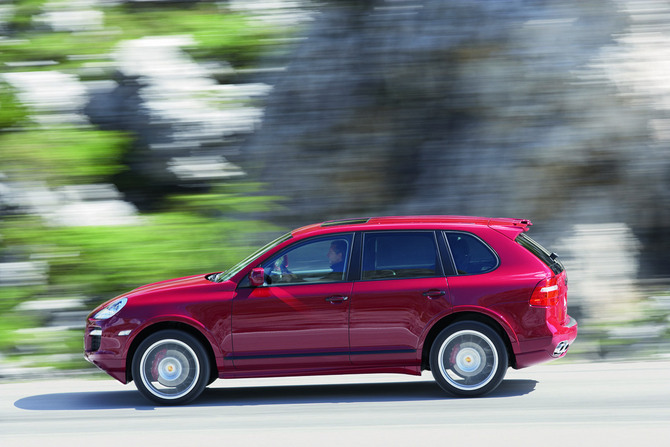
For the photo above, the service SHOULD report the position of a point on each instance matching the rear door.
(402, 287)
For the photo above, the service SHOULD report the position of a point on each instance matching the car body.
(466, 297)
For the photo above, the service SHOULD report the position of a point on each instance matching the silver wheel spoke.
(169, 369)
(468, 360)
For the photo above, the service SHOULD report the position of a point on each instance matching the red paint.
(354, 325)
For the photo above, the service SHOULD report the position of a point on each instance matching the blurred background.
(147, 139)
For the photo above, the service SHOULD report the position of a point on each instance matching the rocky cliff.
(513, 108)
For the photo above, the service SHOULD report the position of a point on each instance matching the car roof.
(412, 222)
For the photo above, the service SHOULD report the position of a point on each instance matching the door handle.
(337, 299)
(434, 294)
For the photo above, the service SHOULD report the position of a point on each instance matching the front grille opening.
(95, 338)
(95, 342)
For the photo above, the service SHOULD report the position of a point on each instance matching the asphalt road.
(559, 404)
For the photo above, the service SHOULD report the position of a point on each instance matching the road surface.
(559, 404)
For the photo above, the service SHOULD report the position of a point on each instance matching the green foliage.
(49, 348)
(12, 112)
(185, 234)
(66, 50)
(24, 11)
(63, 156)
(234, 198)
(218, 35)
(104, 261)
(9, 324)
(12, 296)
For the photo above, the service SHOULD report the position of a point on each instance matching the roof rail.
(334, 223)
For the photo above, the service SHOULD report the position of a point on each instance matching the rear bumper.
(547, 348)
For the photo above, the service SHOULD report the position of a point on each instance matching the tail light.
(546, 293)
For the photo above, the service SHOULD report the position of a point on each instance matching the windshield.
(225, 276)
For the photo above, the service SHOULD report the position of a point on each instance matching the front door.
(299, 318)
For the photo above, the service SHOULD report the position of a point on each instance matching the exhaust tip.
(561, 349)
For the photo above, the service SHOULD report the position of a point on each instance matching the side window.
(471, 255)
(400, 255)
(318, 260)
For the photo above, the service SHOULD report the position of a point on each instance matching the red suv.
(465, 297)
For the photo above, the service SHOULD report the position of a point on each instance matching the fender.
(453, 313)
(180, 319)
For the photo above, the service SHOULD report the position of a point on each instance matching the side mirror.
(257, 277)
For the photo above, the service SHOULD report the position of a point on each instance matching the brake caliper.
(160, 355)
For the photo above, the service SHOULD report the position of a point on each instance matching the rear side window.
(544, 255)
(395, 255)
(471, 255)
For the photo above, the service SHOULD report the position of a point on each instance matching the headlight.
(111, 309)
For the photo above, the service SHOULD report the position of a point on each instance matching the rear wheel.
(170, 367)
(468, 359)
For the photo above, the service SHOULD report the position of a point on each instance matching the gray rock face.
(511, 108)
(165, 100)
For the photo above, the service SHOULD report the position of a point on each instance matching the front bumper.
(110, 364)
(105, 348)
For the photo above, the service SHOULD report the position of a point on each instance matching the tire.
(468, 359)
(170, 367)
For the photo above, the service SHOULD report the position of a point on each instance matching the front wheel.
(468, 359)
(170, 367)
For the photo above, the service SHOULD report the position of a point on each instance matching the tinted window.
(319, 260)
(400, 255)
(540, 252)
(470, 254)
(226, 275)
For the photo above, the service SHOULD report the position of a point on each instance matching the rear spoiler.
(510, 227)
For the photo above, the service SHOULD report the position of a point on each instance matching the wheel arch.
(176, 325)
(465, 316)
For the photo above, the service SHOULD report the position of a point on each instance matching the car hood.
(178, 288)
(187, 281)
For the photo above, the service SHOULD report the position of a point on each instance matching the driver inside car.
(336, 256)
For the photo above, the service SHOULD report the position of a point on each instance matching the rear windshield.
(544, 255)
